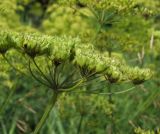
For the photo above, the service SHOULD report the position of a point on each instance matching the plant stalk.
(2, 108)
(46, 113)
(80, 124)
(112, 127)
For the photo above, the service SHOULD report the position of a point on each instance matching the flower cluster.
(79, 54)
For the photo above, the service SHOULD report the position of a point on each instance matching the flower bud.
(138, 76)
(6, 42)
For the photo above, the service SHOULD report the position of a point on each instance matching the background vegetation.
(124, 29)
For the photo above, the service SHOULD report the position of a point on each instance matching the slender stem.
(102, 17)
(35, 77)
(2, 108)
(112, 117)
(55, 75)
(113, 93)
(110, 94)
(96, 88)
(16, 69)
(44, 76)
(94, 78)
(80, 124)
(68, 89)
(46, 113)
(57, 71)
(69, 76)
(50, 71)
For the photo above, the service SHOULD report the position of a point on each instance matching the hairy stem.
(47, 111)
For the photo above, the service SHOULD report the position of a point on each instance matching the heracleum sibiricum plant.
(47, 59)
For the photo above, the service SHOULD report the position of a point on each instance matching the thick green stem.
(112, 127)
(46, 113)
(110, 100)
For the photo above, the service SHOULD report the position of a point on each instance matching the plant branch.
(2, 108)
(68, 89)
(16, 69)
(31, 72)
(80, 124)
(109, 93)
(43, 75)
(70, 75)
(50, 71)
